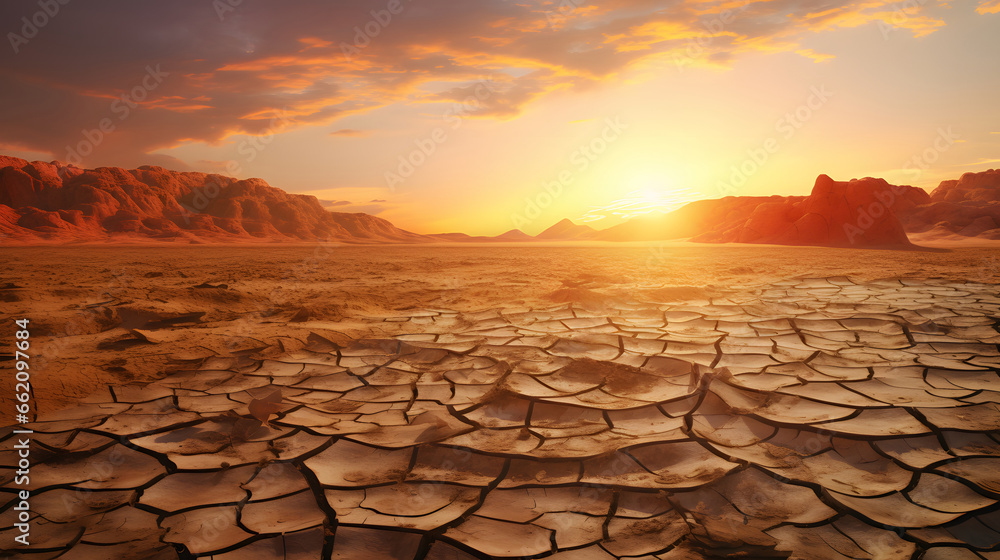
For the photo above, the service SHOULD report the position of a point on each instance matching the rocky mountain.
(50, 201)
(53, 202)
(967, 207)
(688, 221)
(857, 213)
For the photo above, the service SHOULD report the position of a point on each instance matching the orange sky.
(485, 116)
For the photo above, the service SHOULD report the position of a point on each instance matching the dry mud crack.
(815, 419)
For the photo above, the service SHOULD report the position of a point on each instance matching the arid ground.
(574, 402)
(82, 299)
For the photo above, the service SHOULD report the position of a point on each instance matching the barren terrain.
(84, 300)
(454, 403)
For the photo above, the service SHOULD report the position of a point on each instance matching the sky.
(482, 116)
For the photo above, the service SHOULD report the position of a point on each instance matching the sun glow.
(650, 194)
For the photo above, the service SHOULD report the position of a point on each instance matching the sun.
(649, 195)
(647, 187)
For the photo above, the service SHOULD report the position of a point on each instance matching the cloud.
(333, 203)
(981, 162)
(213, 166)
(349, 132)
(266, 67)
(988, 7)
(639, 203)
(373, 209)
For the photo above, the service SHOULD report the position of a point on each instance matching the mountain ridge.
(44, 202)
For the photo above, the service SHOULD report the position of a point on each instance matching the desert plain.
(575, 401)
(392, 280)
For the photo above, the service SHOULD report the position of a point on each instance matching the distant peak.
(565, 229)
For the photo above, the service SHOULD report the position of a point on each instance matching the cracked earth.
(814, 418)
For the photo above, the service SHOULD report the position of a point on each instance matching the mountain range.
(50, 202)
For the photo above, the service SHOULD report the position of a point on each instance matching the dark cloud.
(263, 67)
(332, 203)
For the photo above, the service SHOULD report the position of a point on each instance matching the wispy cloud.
(978, 163)
(349, 132)
(988, 7)
(639, 203)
